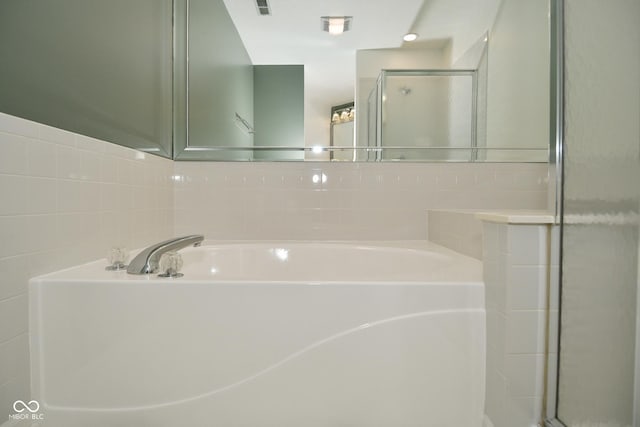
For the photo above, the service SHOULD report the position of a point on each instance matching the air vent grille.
(263, 7)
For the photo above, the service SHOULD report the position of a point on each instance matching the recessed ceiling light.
(336, 24)
(410, 37)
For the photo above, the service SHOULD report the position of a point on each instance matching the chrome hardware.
(147, 261)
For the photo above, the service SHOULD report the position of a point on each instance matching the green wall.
(279, 110)
(220, 78)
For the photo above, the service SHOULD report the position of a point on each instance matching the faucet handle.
(171, 263)
(117, 258)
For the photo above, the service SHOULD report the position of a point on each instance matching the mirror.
(94, 67)
(260, 82)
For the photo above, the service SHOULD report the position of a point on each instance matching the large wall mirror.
(261, 80)
(254, 80)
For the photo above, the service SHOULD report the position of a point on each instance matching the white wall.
(518, 80)
(463, 22)
(66, 199)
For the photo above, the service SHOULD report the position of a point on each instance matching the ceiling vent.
(263, 7)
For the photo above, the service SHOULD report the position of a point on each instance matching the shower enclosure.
(423, 115)
(598, 346)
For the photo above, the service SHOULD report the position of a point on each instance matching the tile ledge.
(517, 217)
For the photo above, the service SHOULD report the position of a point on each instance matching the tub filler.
(265, 334)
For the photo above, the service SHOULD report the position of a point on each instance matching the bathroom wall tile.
(490, 247)
(554, 319)
(15, 273)
(358, 187)
(13, 230)
(68, 162)
(14, 153)
(17, 388)
(527, 287)
(124, 171)
(68, 199)
(17, 385)
(42, 195)
(523, 374)
(523, 411)
(13, 317)
(86, 143)
(19, 126)
(89, 166)
(45, 262)
(13, 189)
(552, 368)
(527, 244)
(12, 358)
(496, 400)
(525, 331)
(41, 158)
(554, 288)
(496, 340)
(55, 135)
(69, 196)
(43, 234)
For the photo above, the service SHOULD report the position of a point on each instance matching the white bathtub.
(265, 334)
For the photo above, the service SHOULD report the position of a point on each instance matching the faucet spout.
(147, 261)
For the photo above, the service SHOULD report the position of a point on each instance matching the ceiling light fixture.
(336, 24)
(410, 37)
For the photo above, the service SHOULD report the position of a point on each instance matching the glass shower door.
(597, 362)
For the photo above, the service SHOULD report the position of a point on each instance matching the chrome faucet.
(147, 261)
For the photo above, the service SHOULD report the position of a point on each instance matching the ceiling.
(292, 35)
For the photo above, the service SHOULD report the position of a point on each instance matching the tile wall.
(457, 230)
(343, 200)
(65, 199)
(520, 273)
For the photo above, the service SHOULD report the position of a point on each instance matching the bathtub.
(265, 334)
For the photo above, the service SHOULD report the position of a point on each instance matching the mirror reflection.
(263, 79)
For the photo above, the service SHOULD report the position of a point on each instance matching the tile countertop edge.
(517, 217)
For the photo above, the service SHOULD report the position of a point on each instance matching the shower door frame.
(380, 93)
(556, 169)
